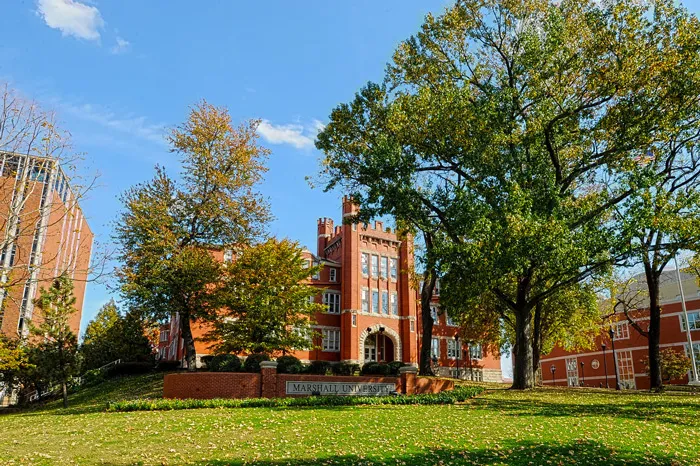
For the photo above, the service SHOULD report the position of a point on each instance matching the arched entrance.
(379, 344)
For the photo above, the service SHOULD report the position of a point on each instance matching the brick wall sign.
(339, 388)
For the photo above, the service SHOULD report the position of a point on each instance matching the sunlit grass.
(501, 427)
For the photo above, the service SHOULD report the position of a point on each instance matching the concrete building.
(596, 367)
(43, 233)
(373, 310)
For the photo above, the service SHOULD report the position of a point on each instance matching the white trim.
(600, 353)
(388, 331)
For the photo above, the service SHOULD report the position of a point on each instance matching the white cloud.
(299, 136)
(72, 18)
(133, 125)
(121, 46)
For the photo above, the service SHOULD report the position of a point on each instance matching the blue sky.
(120, 73)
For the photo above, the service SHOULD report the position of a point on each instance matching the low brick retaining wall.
(269, 384)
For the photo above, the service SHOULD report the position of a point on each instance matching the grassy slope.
(502, 427)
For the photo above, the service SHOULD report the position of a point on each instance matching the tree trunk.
(429, 279)
(190, 351)
(655, 381)
(536, 340)
(523, 376)
(64, 388)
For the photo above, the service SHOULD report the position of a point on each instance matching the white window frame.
(435, 348)
(434, 313)
(393, 268)
(354, 320)
(622, 330)
(330, 342)
(374, 265)
(453, 349)
(448, 320)
(394, 303)
(332, 300)
(374, 304)
(383, 267)
(332, 274)
(385, 302)
(694, 318)
(476, 352)
(571, 365)
(365, 300)
(364, 264)
(317, 274)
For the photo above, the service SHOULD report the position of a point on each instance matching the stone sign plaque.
(339, 388)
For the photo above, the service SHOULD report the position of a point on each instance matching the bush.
(93, 377)
(166, 366)
(289, 365)
(458, 395)
(344, 368)
(373, 368)
(318, 367)
(252, 362)
(129, 368)
(224, 363)
(394, 367)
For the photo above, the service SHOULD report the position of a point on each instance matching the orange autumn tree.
(168, 226)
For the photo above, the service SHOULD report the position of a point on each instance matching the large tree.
(169, 229)
(267, 301)
(57, 345)
(519, 125)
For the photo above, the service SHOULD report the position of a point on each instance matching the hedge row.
(459, 394)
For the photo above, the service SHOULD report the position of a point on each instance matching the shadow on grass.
(659, 410)
(509, 453)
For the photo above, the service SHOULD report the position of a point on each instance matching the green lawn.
(548, 427)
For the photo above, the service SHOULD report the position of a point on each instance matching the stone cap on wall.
(268, 365)
(408, 370)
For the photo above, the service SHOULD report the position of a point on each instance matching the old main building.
(372, 308)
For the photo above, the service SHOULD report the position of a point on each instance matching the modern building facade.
(372, 306)
(597, 367)
(43, 234)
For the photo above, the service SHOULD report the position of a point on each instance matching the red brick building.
(372, 305)
(589, 368)
(44, 234)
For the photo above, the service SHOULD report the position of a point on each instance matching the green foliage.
(374, 368)
(289, 365)
(252, 362)
(458, 395)
(111, 336)
(344, 368)
(129, 368)
(519, 126)
(318, 367)
(224, 363)
(56, 353)
(266, 299)
(168, 228)
(674, 364)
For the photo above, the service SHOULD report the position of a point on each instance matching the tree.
(519, 124)
(674, 364)
(663, 219)
(58, 346)
(111, 336)
(168, 230)
(268, 307)
(14, 361)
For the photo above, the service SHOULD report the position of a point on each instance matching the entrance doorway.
(378, 348)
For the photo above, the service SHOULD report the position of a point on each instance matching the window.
(164, 335)
(475, 351)
(365, 300)
(394, 304)
(394, 270)
(413, 326)
(693, 318)
(696, 350)
(622, 331)
(365, 264)
(625, 369)
(453, 350)
(384, 266)
(331, 340)
(435, 348)
(317, 274)
(332, 274)
(354, 320)
(375, 266)
(385, 302)
(332, 300)
(449, 320)
(375, 301)
(228, 256)
(434, 314)
(572, 372)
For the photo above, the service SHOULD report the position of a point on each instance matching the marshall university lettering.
(339, 388)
